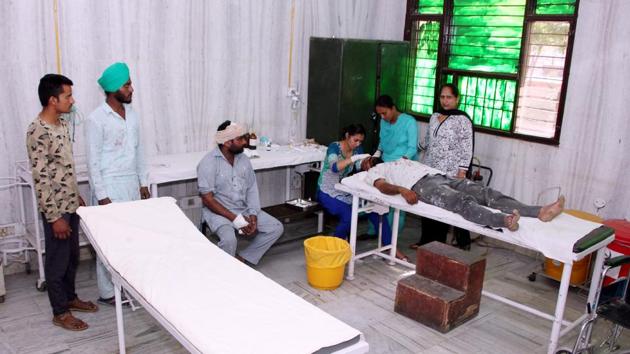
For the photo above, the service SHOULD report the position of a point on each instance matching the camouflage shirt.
(50, 152)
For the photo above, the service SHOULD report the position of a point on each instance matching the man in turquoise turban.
(114, 77)
(116, 166)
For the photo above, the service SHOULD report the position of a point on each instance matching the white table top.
(180, 167)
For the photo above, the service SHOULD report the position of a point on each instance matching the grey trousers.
(269, 231)
(468, 199)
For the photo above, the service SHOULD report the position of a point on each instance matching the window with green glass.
(431, 6)
(555, 7)
(509, 59)
(486, 35)
(425, 49)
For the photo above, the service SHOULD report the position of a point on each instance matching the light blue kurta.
(116, 164)
(399, 139)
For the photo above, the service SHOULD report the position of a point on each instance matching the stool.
(446, 289)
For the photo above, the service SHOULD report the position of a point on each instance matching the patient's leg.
(492, 198)
(548, 212)
(269, 231)
(435, 190)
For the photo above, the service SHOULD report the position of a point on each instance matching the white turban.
(232, 131)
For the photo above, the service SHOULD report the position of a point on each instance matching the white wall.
(196, 63)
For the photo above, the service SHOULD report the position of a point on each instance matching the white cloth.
(402, 172)
(178, 167)
(218, 303)
(232, 131)
(554, 239)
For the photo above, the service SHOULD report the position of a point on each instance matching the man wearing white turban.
(227, 185)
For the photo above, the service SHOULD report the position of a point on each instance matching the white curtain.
(193, 63)
(196, 63)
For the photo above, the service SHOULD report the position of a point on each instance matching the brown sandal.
(69, 322)
(82, 306)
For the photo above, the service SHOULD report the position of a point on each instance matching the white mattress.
(554, 239)
(177, 167)
(218, 303)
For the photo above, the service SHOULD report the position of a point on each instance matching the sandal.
(402, 256)
(82, 306)
(414, 246)
(69, 322)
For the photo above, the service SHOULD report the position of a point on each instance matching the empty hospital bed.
(208, 300)
(566, 239)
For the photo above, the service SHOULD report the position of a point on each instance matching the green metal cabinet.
(345, 78)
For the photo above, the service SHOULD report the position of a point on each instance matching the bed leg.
(353, 236)
(396, 221)
(596, 283)
(320, 221)
(119, 319)
(560, 304)
(154, 190)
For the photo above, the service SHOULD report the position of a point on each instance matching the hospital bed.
(208, 300)
(566, 239)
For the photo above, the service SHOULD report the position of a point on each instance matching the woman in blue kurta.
(398, 138)
(342, 158)
(398, 135)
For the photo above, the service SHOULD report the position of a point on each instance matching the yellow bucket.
(579, 272)
(326, 258)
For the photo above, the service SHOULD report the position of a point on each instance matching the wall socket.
(7, 230)
(192, 202)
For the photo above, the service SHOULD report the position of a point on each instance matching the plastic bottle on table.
(253, 141)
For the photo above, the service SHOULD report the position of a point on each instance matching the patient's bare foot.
(511, 221)
(548, 212)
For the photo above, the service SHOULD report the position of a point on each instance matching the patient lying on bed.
(415, 181)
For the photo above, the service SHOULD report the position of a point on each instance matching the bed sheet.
(178, 167)
(554, 239)
(218, 303)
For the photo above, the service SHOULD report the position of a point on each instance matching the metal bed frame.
(557, 318)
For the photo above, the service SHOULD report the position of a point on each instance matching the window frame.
(442, 70)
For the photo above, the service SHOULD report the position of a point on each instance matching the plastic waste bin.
(580, 269)
(326, 258)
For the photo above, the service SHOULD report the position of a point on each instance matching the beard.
(236, 150)
(122, 98)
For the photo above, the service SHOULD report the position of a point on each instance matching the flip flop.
(69, 322)
(405, 258)
(82, 306)
(414, 246)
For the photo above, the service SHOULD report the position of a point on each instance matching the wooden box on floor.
(446, 289)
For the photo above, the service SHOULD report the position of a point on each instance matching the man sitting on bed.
(229, 192)
(415, 181)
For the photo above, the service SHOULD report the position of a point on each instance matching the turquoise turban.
(114, 77)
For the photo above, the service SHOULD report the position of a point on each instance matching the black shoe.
(112, 301)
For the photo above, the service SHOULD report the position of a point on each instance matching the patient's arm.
(216, 207)
(391, 189)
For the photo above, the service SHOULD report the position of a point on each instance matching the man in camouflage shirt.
(50, 152)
